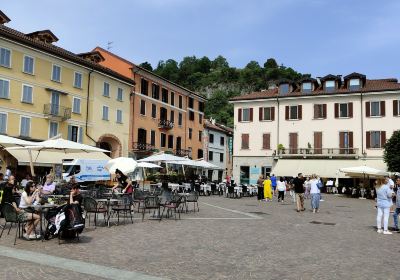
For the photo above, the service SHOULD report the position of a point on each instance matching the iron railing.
(317, 152)
(165, 124)
(145, 147)
(182, 152)
(57, 111)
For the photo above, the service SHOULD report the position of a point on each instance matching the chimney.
(4, 18)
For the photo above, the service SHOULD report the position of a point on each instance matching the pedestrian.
(25, 180)
(397, 203)
(274, 184)
(268, 189)
(281, 187)
(8, 173)
(307, 187)
(298, 183)
(291, 190)
(315, 192)
(384, 196)
(260, 188)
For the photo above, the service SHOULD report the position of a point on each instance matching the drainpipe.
(277, 119)
(362, 125)
(87, 108)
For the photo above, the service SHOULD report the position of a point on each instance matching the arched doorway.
(111, 143)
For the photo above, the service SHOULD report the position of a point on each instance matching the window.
(222, 141)
(306, 87)
(155, 91)
(152, 138)
(200, 153)
(180, 119)
(293, 113)
(53, 129)
(170, 141)
(330, 85)
(120, 94)
(376, 139)
(119, 116)
(180, 104)
(25, 128)
(76, 105)
(266, 114)
(190, 133)
(78, 80)
(3, 123)
(144, 87)
(56, 74)
(396, 108)
(246, 115)
(266, 141)
(172, 116)
(375, 109)
(191, 115)
(4, 89)
(200, 118)
(172, 98)
(5, 57)
(75, 133)
(163, 140)
(29, 63)
(143, 107)
(201, 107)
(343, 110)
(154, 111)
(210, 156)
(284, 88)
(106, 89)
(191, 102)
(27, 94)
(354, 84)
(319, 111)
(221, 157)
(105, 113)
(245, 141)
(211, 138)
(200, 135)
(164, 95)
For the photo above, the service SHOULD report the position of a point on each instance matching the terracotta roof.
(218, 127)
(20, 37)
(370, 86)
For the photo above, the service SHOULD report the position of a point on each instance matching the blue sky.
(311, 36)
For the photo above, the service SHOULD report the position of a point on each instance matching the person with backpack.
(315, 192)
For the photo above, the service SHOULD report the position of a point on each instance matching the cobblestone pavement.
(230, 239)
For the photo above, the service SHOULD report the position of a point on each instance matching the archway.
(111, 143)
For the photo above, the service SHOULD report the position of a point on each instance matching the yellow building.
(44, 91)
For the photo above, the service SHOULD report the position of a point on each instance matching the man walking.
(274, 184)
(396, 213)
(298, 183)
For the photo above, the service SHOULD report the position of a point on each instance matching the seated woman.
(75, 196)
(28, 197)
(49, 186)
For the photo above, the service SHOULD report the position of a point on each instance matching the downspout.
(362, 125)
(277, 135)
(133, 108)
(87, 108)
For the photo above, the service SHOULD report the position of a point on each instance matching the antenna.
(109, 45)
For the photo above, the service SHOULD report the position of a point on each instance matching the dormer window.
(283, 88)
(306, 87)
(354, 84)
(329, 85)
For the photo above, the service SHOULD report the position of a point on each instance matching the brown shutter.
(341, 140)
(383, 107)
(395, 107)
(368, 140)
(260, 112)
(315, 111)
(368, 109)
(266, 141)
(317, 142)
(272, 113)
(251, 114)
(324, 111)
(299, 112)
(350, 109)
(240, 115)
(245, 141)
(336, 110)
(383, 138)
(286, 112)
(351, 139)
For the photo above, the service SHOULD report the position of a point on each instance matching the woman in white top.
(281, 186)
(315, 193)
(28, 197)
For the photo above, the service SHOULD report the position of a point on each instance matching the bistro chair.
(92, 206)
(151, 203)
(11, 216)
(174, 204)
(194, 198)
(138, 197)
(125, 207)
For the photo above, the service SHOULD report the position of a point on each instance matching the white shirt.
(24, 201)
(281, 186)
(23, 182)
(314, 187)
(390, 183)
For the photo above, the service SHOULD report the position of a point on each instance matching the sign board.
(230, 145)
(254, 174)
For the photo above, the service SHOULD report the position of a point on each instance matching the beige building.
(314, 126)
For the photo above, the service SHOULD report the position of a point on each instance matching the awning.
(49, 158)
(321, 167)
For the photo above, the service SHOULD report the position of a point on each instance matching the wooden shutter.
(395, 107)
(260, 114)
(272, 113)
(286, 112)
(240, 115)
(350, 109)
(317, 142)
(383, 107)
(251, 114)
(383, 138)
(336, 110)
(299, 112)
(315, 111)
(368, 109)
(324, 111)
(351, 139)
(368, 139)
(341, 140)
(266, 141)
(245, 141)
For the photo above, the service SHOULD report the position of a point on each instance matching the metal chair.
(151, 203)
(92, 206)
(174, 204)
(124, 207)
(11, 216)
(193, 197)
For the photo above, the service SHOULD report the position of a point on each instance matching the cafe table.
(41, 210)
(108, 202)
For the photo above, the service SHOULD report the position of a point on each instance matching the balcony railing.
(57, 112)
(143, 147)
(165, 124)
(182, 153)
(317, 153)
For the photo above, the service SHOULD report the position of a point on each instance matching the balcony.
(182, 153)
(142, 147)
(165, 124)
(56, 112)
(342, 153)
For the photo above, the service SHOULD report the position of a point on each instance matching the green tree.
(270, 64)
(146, 65)
(391, 153)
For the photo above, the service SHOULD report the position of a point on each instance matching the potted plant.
(281, 149)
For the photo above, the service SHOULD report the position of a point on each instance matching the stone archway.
(112, 143)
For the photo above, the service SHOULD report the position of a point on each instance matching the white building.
(314, 126)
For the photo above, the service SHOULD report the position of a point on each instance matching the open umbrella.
(124, 164)
(162, 157)
(361, 171)
(7, 141)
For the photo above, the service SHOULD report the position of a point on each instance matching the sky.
(319, 37)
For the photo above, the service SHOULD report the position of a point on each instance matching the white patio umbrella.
(141, 174)
(124, 164)
(147, 165)
(207, 165)
(360, 171)
(7, 141)
(162, 157)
